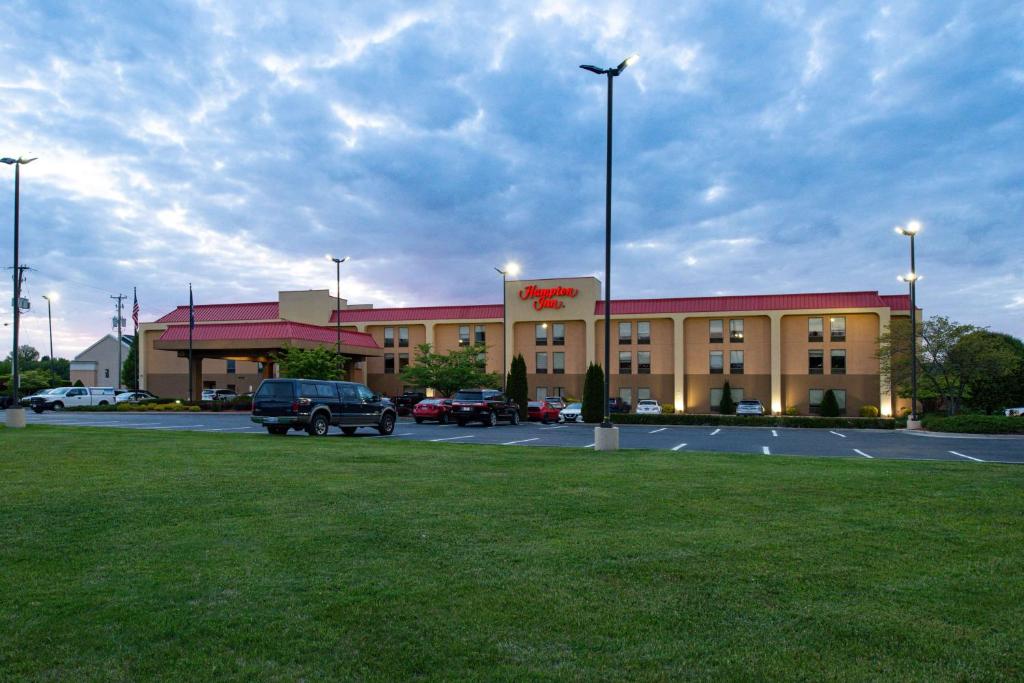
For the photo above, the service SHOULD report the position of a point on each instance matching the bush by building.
(726, 406)
(829, 404)
(593, 395)
(761, 421)
(869, 411)
(974, 424)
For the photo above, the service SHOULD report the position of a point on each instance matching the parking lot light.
(510, 268)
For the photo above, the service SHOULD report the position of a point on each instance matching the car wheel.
(277, 430)
(37, 409)
(461, 423)
(443, 419)
(515, 418)
(387, 424)
(319, 425)
(492, 419)
(103, 403)
(348, 431)
(58, 406)
(419, 420)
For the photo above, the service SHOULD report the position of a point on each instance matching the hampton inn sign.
(547, 297)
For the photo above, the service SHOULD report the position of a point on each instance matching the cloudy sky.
(760, 147)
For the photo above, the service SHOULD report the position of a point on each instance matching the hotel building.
(785, 350)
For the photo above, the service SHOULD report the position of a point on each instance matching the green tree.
(726, 406)
(28, 358)
(320, 362)
(991, 364)
(61, 368)
(128, 376)
(78, 383)
(34, 380)
(829, 405)
(446, 373)
(594, 405)
(516, 386)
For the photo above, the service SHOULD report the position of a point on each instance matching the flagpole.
(191, 324)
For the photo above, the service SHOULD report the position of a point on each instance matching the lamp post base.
(606, 438)
(15, 418)
(913, 424)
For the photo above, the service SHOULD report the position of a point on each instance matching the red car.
(543, 411)
(439, 409)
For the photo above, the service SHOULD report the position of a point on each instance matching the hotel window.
(558, 334)
(643, 362)
(558, 391)
(542, 363)
(840, 395)
(643, 332)
(540, 334)
(389, 336)
(839, 361)
(814, 397)
(716, 396)
(815, 362)
(736, 330)
(106, 371)
(715, 331)
(463, 335)
(389, 363)
(558, 362)
(815, 330)
(643, 394)
(230, 367)
(838, 329)
(736, 362)
(481, 359)
(626, 394)
(403, 336)
(625, 333)
(480, 334)
(403, 361)
(541, 393)
(715, 363)
(625, 362)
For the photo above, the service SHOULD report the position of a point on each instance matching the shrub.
(194, 409)
(829, 405)
(726, 406)
(516, 386)
(762, 421)
(870, 411)
(974, 424)
(792, 411)
(667, 409)
(123, 407)
(593, 394)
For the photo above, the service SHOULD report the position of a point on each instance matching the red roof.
(259, 331)
(760, 302)
(367, 315)
(897, 302)
(266, 310)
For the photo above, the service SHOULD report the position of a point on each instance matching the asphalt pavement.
(850, 443)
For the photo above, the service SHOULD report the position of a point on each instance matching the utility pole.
(119, 323)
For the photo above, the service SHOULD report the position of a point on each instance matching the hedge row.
(759, 421)
(975, 424)
(171, 405)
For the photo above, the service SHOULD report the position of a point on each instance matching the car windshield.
(648, 403)
(275, 390)
(574, 406)
(469, 396)
(749, 403)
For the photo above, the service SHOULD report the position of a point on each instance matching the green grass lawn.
(141, 555)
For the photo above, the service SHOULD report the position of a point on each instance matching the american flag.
(135, 309)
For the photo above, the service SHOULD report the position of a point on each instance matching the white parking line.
(680, 446)
(452, 438)
(404, 434)
(179, 427)
(512, 443)
(715, 432)
(838, 434)
(774, 433)
(655, 431)
(765, 450)
(860, 452)
(555, 427)
(227, 429)
(590, 445)
(967, 456)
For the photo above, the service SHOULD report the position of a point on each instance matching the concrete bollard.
(15, 418)
(606, 438)
(913, 424)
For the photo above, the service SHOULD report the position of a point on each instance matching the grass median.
(142, 555)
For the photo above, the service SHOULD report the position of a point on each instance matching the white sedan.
(648, 407)
(571, 413)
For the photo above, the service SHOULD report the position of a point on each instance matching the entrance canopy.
(259, 340)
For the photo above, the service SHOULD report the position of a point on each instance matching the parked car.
(486, 406)
(439, 409)
(1014, 412)
(749, 406)
(317, 405)
(72, 397)
(556, 401)
(542, 411)
(135, 397)
(218, 395)
(617, 405)
(571, 413)
(648, 406)
(407, 401)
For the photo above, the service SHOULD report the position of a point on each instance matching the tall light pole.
(512, 269)
(49, 318)
(611, 73)
(18, 163)
(911, 229)
(337, 300)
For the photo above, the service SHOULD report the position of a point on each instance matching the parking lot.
(852, 443)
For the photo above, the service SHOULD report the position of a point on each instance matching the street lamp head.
(20, 160)
(52, 296)
(512, 268)
(336, 260)
(627, 62)
(913, 227)
(909, 277)
(588, 67)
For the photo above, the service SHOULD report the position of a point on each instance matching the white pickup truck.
(71, 397)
